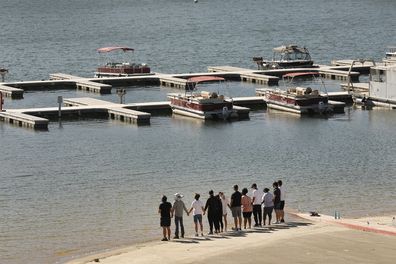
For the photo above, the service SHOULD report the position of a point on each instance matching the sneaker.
(196, 234)
(182, 236)
(282, 221)
(202, 234)
(256, 225)
(164, 239)
(176, 237)
(275, 223)
(210, 233)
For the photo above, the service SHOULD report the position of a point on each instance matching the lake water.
(94, 184)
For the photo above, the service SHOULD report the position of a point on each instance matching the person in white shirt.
(282, 201)
(197, 207)
(268, 202)
(256, 201)
(225, 204)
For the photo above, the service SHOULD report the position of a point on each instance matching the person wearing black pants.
(256, 201)
(213, 210)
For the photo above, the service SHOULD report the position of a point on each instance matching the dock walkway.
(36, 118)
(104, 85)
(24, 120)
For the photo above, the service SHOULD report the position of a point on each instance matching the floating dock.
(271, 77)
(24, 120)
(38, 118)
(104, 85)
(135, 113)
(356, 87)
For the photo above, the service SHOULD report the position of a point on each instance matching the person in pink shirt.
(247, 208)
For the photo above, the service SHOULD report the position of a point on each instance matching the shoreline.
(350, 232)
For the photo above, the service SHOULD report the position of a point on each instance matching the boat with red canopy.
(299, 100)
(120, 68)
(203, 104)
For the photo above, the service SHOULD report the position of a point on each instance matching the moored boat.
(289, 56)
(382, 88)
(202, 104)
(299, 100)
(390, 56)
(120, 68)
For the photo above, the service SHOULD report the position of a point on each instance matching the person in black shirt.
(219, 213)
(235, 206)
(212, 206)
(277, 202)
(165, 210)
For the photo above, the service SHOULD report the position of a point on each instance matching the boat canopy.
(199, 79)
(298, 74)
(289, 49)
(109, 49)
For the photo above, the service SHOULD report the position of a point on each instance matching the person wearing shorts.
(277, 202)
(247, 208)
(225, 204)
(165, 210)
(197, 208)
(235, 206)
(282, 201)
(267, 201)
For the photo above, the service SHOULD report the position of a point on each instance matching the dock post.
(3, 73)
(1, 101)
(121, 93)
(60, 101)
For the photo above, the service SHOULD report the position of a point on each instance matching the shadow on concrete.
(267, 229)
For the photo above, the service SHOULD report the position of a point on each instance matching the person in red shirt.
(247, 208)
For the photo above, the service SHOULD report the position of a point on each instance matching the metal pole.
(1, 102)
(60, 101)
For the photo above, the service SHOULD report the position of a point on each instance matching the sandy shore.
(304, 240)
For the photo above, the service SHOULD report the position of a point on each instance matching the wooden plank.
(356, 86)
(227, 69)
(63, 76)
(87, 101)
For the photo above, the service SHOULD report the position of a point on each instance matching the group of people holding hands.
(261, 205)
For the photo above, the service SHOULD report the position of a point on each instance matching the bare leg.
(164, 231)
(236, 222)
(240, 222)
(244, 222)
(250, 222)
(169, 232)
(225, 223)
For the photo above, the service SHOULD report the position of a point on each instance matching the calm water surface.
(91, 185)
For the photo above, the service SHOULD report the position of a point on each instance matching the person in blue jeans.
(177, 209)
